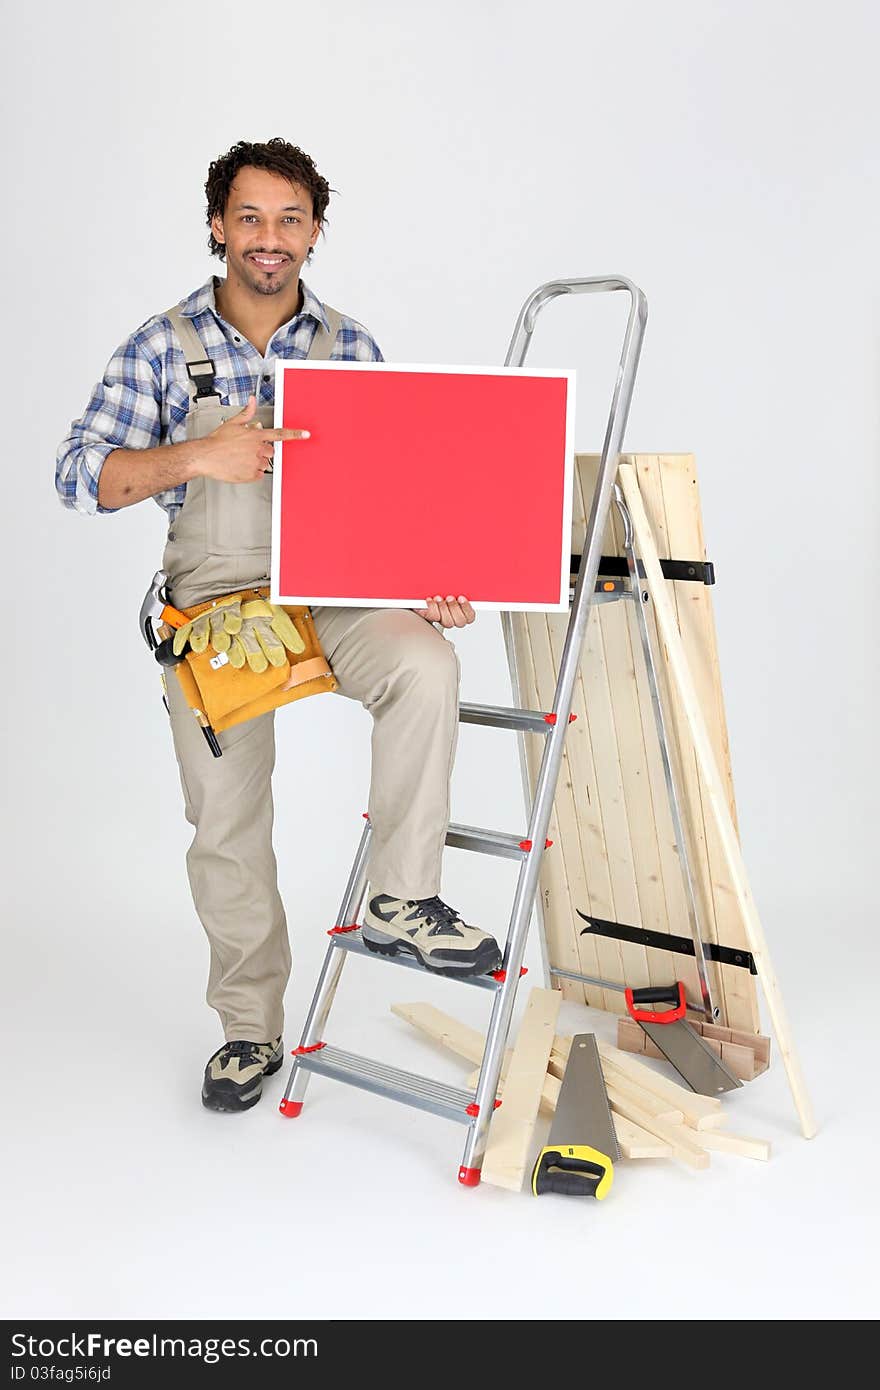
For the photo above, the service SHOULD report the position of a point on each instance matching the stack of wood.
(654, 1116)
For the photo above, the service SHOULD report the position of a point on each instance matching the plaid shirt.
(143, 398)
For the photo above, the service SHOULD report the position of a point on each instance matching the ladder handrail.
(591, 284)
(545, 786)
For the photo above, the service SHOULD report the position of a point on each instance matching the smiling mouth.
(268, 262)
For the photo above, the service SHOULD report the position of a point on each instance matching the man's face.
(267, 228)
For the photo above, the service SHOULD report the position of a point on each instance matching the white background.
(723, 156)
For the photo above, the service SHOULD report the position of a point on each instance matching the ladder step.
(494, 842)
(500, 717)
(353, 941)
(422, 1092)
(605, 594)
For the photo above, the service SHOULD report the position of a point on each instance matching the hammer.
(156, 609)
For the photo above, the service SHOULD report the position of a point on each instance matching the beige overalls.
(397, 665)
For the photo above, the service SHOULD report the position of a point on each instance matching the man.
(147, 433)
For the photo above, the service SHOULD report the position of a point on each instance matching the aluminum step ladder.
(314, 1054)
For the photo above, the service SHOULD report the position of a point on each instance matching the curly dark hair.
(279, 157)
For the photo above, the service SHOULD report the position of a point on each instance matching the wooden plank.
(662, 905)
(699, 1111)
(549, 1090)
(717, 804)
(650, 473)
(679, 1138)
(458, 1037)
(695, 623)
(636, 1142)
(742, 1144)
(658, 1106)
(510, 1134)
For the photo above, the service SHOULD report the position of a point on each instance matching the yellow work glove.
(266, 630)
(216, 625)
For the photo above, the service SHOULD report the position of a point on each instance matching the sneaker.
(234, 1075)
(432, 932)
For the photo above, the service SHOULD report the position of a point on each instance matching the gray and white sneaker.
(234, 1075)
(432, 932)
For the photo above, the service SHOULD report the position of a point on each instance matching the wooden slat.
(636, 1142)
(465, 1041)
(699, 1111)
(549, 1090)
(680, 1139)
(670, 535)
(742, 1144)
(510, 1134)
(661, 902)
(658, 1106)
(693, 609)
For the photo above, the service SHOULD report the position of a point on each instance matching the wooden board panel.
(616, 857)
(510, 1134)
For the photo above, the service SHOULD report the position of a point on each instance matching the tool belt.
(228, 696)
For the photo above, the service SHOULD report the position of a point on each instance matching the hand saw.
(579, 1156)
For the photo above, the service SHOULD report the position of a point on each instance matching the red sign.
(422, 480)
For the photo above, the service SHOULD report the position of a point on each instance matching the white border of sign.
(284, 365)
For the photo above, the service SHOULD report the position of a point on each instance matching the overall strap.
(199, 367)
(323, 342)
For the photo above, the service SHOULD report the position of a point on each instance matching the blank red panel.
(423, 482)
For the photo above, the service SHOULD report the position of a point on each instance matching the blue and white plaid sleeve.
(124, 412)
(355, 344)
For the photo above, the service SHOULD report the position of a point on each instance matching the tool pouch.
(228, 696)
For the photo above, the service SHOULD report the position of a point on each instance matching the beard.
(266, 282)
